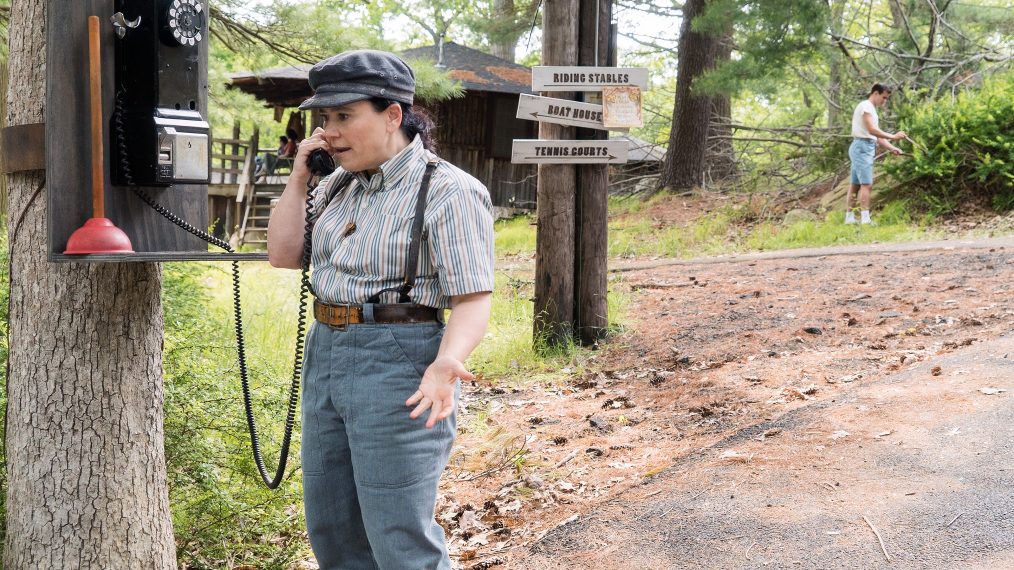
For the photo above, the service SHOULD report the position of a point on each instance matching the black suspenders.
(415, 245)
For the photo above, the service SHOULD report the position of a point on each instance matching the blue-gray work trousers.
(369, 471)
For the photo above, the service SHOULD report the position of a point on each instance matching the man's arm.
(873, 130)
(890, 147)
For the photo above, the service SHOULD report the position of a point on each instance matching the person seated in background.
(288, 150)
(266, 164)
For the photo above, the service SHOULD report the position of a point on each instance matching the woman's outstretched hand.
(436, 391)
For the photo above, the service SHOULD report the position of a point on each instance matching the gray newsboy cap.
(356, 75)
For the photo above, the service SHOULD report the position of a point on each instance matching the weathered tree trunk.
(720, 159)
(502, 44)
(85, 458)
(684, 165)
(591, 281)
(554, 248)
(836, 69)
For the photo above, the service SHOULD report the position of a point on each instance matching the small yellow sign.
(621, 106)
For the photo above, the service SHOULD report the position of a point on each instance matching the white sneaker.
(850, 217)
(865, 218)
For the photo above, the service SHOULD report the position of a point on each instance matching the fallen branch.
(879, 539)
(958, 516)
(892, 53)
(566, 460)
(508, 460)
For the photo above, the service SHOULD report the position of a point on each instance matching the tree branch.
(908, 27)
(801, 130)
(652, 45)
(890, 52)
(234, 33)
(759, 139)
(852, 61)
(676, 10)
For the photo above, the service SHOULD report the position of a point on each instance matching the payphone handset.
(160, 136)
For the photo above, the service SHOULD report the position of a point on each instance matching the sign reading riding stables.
(532, 151)
(561, 112)
(575, 78)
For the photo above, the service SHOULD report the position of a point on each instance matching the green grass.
(719, 232)
(893, 223)
(515, 236)
(270, 300)
(620, 205)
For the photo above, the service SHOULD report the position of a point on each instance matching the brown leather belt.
(344, 315)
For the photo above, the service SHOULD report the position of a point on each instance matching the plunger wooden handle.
(95, 89)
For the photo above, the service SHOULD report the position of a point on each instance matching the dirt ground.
(711, 349)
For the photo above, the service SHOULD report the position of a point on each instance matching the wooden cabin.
(474, 132)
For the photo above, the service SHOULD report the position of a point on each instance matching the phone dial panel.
(160, 135)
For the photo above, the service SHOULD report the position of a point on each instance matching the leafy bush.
(222, 513)
(964, 148)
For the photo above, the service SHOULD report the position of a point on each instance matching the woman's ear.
(394, 117)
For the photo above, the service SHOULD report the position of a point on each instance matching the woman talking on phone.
(382, 370)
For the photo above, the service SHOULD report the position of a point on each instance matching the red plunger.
(98, 234)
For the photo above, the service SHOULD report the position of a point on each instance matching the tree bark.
(554, 247)
(85, 457)
(684, 165)
(501, 43)
(591, 283)
(720, 159)
(836, 69)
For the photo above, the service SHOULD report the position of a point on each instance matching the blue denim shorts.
(862, 152)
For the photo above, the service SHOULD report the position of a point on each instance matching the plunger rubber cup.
(98, 235)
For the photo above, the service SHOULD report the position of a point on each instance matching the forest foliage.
(794, 70)
(965, 149)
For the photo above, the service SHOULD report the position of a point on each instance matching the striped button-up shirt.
(456, 256)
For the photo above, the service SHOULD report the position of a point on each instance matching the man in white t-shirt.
(866, 134)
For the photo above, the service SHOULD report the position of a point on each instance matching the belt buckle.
(348, 308)
(330, 310)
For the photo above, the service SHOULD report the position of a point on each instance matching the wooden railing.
(232, 162)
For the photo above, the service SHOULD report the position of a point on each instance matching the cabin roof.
(288, 86)
(476, 70)
(641, 150)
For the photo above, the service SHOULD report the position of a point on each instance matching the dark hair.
(414, 121)
(292, 133)
(878, 88)
(283, 139)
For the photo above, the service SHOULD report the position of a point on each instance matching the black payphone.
(159, 135)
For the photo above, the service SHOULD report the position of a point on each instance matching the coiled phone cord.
(297, 368)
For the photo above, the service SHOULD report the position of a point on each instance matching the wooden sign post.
(553, 324)
(562, 112)
(573, 153)
(530, 151)
(596, 48)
